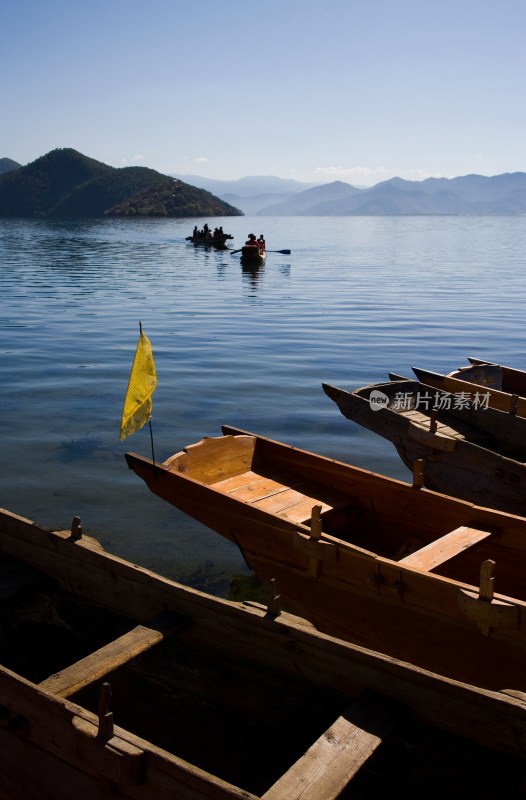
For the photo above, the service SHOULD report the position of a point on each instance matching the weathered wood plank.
(437, 441)
(337, 756)
(282, 493)
(498, 399)
(214, 458)
(113, 655)
(319, 549)
(251, 487)
(441, 550)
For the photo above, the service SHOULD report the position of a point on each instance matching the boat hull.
(219, 242)
(347, 582)
(301, 699)
(252, 254)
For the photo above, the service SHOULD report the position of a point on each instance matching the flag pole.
(150, 419)
(151, 440)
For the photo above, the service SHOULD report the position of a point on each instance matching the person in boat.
(195, 234)
(261, 242)
(251, 241)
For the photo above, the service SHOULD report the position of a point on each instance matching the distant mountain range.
(470, 194)
(65, 183)
(251, 194)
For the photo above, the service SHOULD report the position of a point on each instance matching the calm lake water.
(357, 297)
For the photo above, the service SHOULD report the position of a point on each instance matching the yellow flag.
(143, 380)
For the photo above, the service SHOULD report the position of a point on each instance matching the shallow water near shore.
(357, 298)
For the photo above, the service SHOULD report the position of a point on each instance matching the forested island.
(66, 183)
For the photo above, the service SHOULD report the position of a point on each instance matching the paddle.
(284, 252)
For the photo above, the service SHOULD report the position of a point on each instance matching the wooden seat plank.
(250, 486)
(329, 765)
(99, 663)
(445, 548)
(283, 494)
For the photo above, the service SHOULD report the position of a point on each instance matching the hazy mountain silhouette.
(470, 194)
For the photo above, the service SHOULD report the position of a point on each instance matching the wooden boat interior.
(339, 503)
(494, 376)
(118, 682)
(486, 427)
(223, 712)
(181, 684)
(489, 375)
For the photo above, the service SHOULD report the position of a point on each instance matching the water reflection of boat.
(252, 273)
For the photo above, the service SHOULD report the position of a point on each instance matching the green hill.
(65, 183)
(173, 198)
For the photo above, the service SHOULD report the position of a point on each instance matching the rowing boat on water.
(460, 448)
(379, 562)
(218, 241)
(117, 681)
(505, 387)
(252, 254)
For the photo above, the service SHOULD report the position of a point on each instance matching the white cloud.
(421, 175)
(201, 160)
(134, 159)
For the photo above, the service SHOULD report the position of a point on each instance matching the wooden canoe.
(471, 452)
(504, 387)
(115, 681)
(252, 254)
(376, 561)
(505, 431)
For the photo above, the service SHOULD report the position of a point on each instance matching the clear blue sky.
(352, 90)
